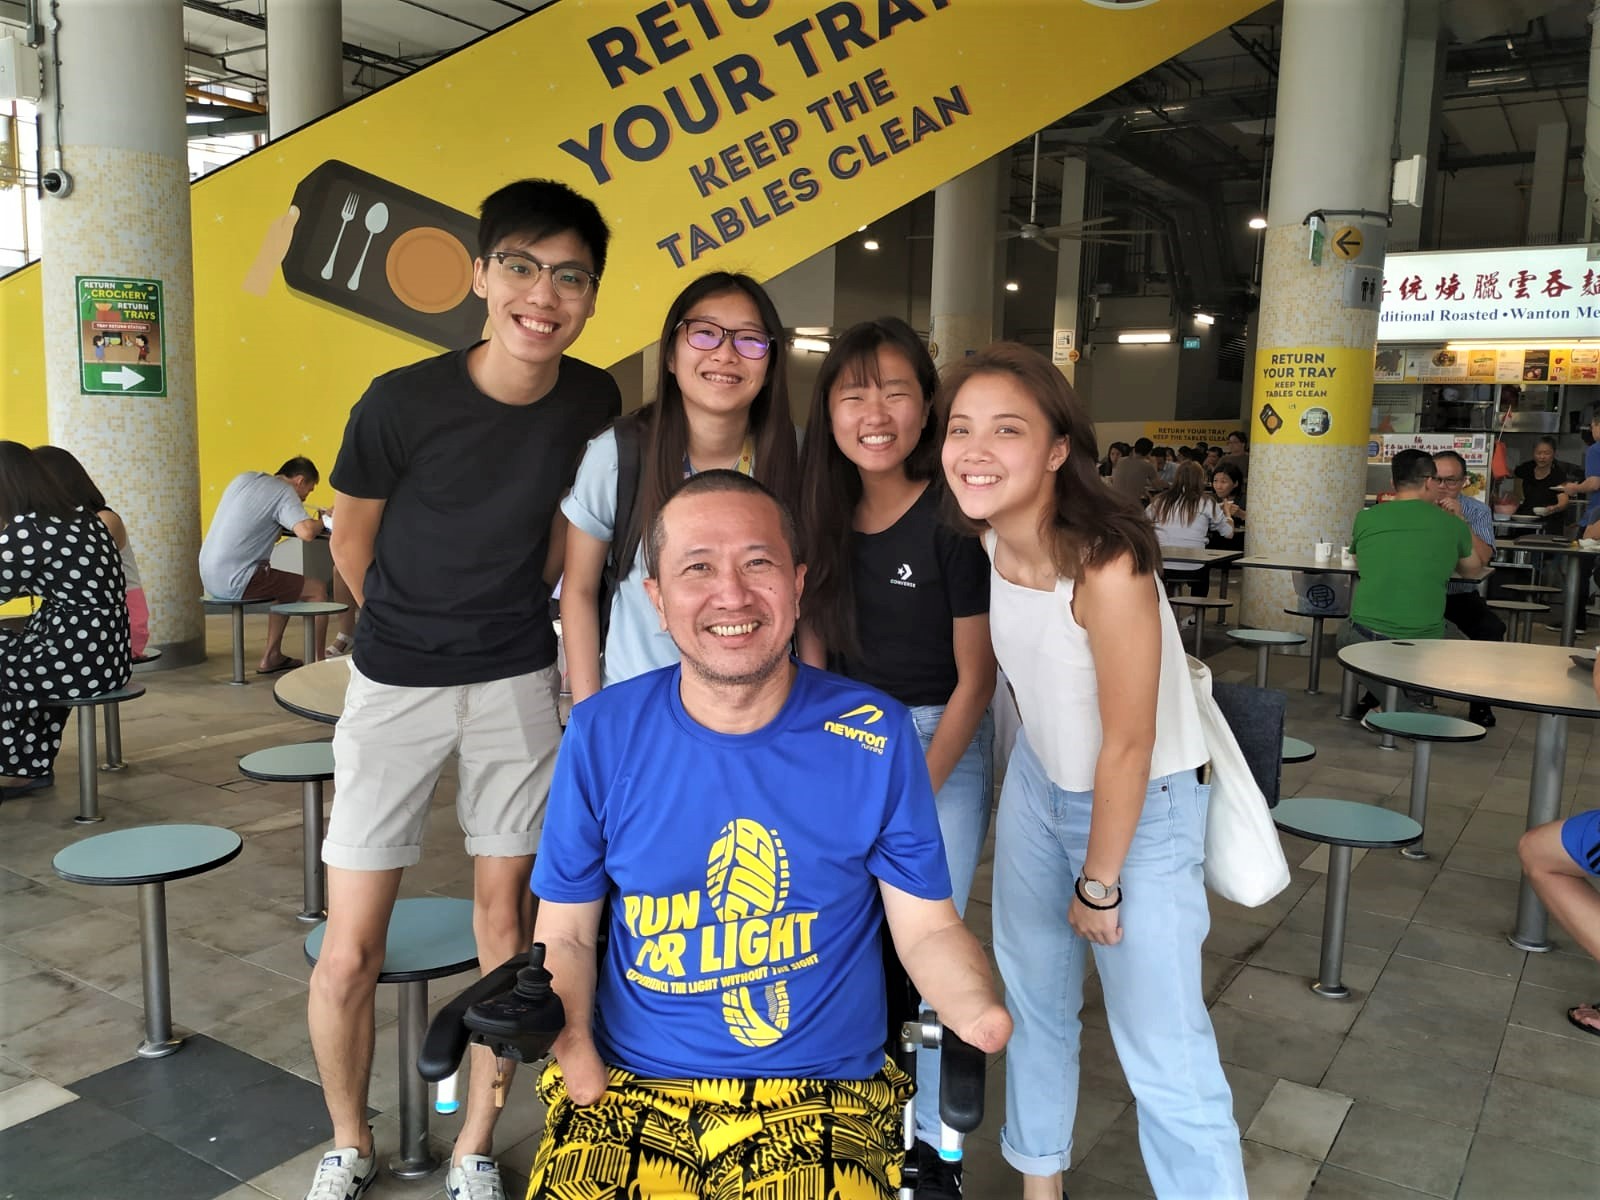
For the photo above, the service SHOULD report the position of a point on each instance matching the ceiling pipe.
(1591, 131)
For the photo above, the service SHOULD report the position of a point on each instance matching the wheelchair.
(515, 1013)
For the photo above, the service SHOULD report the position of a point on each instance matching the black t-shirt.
(910, 582)
(1540, 493)
(455, 594)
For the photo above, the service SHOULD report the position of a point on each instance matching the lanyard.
(746, 465)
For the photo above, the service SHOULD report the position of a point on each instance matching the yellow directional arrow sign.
(1347, 242)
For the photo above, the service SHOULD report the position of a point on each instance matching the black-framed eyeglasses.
(1449, 480)
(570, 282)
(708, 335)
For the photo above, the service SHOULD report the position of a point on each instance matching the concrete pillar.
(1069, 267)
(1548, 195)
(1421, 93)
(305, 62)
(962, 302)
(116, 80)
(1312, 400)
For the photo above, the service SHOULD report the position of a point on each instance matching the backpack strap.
(624, 538)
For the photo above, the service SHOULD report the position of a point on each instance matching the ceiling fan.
(1048, 236)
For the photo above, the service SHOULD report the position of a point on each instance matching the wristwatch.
(1097, 891)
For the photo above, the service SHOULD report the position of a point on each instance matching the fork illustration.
(352, 202)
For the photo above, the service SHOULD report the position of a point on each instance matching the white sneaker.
(342, 1175)
(476, 1177)
(1187, 622)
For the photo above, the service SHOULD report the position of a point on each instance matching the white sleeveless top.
(1045, 654)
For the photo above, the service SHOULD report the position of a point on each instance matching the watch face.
(1096, 890)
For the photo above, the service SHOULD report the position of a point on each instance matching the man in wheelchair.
(752, 823)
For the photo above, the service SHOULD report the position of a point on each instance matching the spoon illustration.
(377, 221)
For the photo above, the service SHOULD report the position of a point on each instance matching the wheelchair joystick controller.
(513, 1010)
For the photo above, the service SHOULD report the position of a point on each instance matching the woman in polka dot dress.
(76, 644)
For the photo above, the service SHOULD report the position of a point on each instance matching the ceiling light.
(1204, 319)
(1012, 285)
(1496, 79)
(1149, 338)
(812, 331)
(810, 344)
(861, 228)
(1258, 222)
(870, 244)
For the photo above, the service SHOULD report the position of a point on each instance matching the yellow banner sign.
(714, 134)
(1312, 395)
(1187, 433)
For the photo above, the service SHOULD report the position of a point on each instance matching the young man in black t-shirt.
(447, 484)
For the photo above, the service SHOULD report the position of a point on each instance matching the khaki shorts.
(392, 742)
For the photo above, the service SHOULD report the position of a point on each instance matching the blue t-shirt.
(742, 871)
(1591, 462)
(635, 641)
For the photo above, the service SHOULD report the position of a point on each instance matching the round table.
(315, 690)
(1537, 679)
(1572, 582)
(149, 856)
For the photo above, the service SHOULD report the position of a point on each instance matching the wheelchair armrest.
(512, 1010)
(448, 1035)
(962, 1069)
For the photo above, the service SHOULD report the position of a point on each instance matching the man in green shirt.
(1406, 550)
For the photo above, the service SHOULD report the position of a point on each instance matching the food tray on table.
(387, 253)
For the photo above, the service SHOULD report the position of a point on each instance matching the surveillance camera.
(56, 183)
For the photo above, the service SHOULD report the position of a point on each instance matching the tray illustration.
(386, 253)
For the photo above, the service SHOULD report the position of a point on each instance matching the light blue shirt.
(1481, 521)
(635, 642)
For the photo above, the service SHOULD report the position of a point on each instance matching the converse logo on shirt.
(902, 577)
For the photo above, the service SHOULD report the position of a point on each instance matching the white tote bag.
(1244, 860)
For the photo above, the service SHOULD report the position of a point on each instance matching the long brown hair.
(664, 426)
(830, 484)
(1184, 498)
(1089, 524)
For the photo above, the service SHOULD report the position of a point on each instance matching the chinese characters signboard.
(119, 336)
(1523, 292)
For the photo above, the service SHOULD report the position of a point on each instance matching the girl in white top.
(1185, 516)
(1100, 834)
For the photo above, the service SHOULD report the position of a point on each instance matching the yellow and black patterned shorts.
(723, 1139)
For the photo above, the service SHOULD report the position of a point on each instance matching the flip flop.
(1572, 1015)
(286, 664)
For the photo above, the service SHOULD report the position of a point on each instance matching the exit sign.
(1191, 343)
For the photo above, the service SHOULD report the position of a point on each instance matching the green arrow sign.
(121, 348)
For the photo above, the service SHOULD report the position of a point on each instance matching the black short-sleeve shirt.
(456, 594)
(1541, 493)
(911, 581)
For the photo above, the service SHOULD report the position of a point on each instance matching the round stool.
(1521, 615)
(1297, 751)
(1264, 640)
(235, 610)
(1423, 729)
(1531, 589)
(150, 856)
(429, 938)
(1201, 605)
(310, 610)
(88, 768)
(1341, 825)
(1314, 675)
(310, 764)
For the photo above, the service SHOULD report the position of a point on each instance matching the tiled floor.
(1452, 1072)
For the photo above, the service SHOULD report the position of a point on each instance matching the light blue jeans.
(963, 804)
(1154, 997)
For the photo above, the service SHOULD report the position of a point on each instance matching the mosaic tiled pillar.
(126, 219)
(1317, 325)
(962, 294)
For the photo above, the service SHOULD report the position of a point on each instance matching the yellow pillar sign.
(1312, 395)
